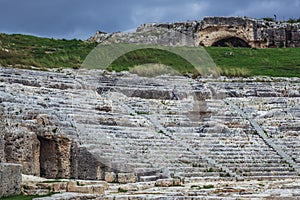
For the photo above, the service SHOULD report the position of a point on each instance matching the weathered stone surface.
(65, 133)
(70, 196)
(55, 154)
(169, 182)
(127, 177)
(23, 147)
(72, 186)
(54, 187)
(2, 157)
(10, 179)
(211, 31)
(110, 177)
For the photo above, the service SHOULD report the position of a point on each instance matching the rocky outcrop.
(171, 34)
(216, 31)
(211, 31)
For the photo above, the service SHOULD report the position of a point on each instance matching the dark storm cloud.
(80, 19)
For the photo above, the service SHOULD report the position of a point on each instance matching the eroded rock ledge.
(211, 31)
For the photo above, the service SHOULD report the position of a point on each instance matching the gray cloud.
(80, 19)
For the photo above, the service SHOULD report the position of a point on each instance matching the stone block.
(11, 178)
(127, 177)
(71, 186)
(168, 182)
(129, 187)
(87, 189)
(84, 189)
(98, 189)
(110, 177)
(54, 187)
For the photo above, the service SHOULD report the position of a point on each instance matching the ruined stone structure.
(10, 174)
(120, 127)
(108, 127)
(246, 32)
(212, 31)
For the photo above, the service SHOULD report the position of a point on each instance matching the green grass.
(279, 62)
(24, 51)
(146, 56)
(268, 62)
(142, 112)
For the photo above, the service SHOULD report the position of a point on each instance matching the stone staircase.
(279, 119)
(125, 127)
(145, 148)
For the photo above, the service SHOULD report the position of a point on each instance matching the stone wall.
(10, 174)
(1, 146)
(257, 33)
(235, 31)
(214, 29)
(22, 146)
(2, 157)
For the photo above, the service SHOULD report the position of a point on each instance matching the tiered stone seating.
(279, 117)
(123, 123)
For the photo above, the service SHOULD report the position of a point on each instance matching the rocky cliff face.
(177, 34)
(211, 31)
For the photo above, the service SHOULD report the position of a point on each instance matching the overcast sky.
(82, 18)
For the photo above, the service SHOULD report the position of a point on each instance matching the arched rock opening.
(231, 42)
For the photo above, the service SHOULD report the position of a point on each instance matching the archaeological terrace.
(124, 129)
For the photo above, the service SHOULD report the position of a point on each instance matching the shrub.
(208, 186)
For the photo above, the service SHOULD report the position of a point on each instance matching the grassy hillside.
(270, 62)
(145, 56)
(24, 51)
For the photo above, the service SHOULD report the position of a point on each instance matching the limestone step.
(270, 173)
(198, 174)
(148, 178)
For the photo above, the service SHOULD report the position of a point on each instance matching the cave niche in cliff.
(48, 158)
(231, 42)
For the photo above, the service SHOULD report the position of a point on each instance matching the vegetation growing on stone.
(208, 186)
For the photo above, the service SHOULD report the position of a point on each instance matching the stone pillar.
(22, 147)
(10, 179)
